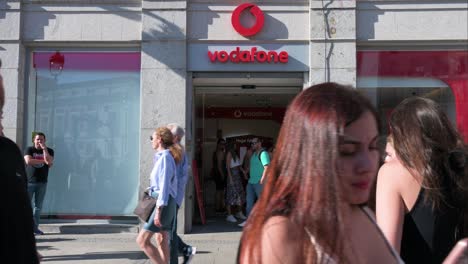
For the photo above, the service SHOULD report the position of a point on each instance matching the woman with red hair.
(312, 209)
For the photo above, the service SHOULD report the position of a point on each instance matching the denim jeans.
(177, 246)
(254, 190)
(37, 190)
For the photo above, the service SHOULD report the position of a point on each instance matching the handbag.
(145, 207)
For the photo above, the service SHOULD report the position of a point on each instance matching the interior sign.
(252, 55)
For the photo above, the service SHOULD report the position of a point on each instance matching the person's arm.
(263, 174)
(182, 181)
(390, 208)
(219, 166)
(279, 241)
(264, 159)
(48, 157)
(29, 160)
(228, 166)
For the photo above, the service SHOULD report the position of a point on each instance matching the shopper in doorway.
(39, 159)
(177, 244)
(259, 162)
(219, 174)
(234, 192)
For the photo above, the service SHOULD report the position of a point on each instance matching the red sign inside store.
(272, 113)
(252, 55)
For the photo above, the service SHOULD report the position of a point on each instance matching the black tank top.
(428, 234)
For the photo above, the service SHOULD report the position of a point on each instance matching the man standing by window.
(259, 162)
(39, 158)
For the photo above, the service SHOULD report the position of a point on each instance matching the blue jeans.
(177, 246)
(254, 190)
(37, 190)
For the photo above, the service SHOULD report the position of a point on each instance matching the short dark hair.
(39, 134)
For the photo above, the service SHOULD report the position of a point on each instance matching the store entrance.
(234, 112)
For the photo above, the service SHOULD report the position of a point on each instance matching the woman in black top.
(422, 188)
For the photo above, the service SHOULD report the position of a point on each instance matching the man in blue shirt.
(177, 245)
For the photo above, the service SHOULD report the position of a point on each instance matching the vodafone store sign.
(255, 11)
(254, 54)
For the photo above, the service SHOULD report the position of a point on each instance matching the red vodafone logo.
(255, 11)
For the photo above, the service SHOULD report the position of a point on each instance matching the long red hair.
(302, 182)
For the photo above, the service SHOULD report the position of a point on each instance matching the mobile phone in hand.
(459, 254)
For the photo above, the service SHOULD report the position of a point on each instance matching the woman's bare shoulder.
(278, 224)
(280, 240)
(393, 173)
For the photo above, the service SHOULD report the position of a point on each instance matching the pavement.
(103, 242)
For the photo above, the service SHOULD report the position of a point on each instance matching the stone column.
(163, 77)
(12, 56)
(333, 41)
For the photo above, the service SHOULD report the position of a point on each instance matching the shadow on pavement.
(217, 224)
(45, 239)
(45, 248)
(133, 255)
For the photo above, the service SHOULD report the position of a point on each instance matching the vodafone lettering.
(248, 56)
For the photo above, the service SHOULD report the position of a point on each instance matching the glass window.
(388, 77)
(89, 110)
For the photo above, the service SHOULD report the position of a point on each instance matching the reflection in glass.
(91, 120)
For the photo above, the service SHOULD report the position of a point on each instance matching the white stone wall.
(333, 41)
(163, 81)
(412, 21)
(83, 21)
(12, 56)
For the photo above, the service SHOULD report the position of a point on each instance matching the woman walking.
(422, 187)
(163, 187)
(312, 209)
(235, 195)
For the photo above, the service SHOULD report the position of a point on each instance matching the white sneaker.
(231, 218)
(189, 256)
(240, 216)
(242, 224)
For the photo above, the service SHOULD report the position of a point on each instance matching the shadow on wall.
(3, 8)
(51, 22)
(167, 30)
(167, 34)
(273, 29)
(366, 18)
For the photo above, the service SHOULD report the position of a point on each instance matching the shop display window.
(88, 106)
(388, 77)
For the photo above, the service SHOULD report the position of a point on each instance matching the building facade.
(98, 76)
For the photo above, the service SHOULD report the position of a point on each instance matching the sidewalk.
(216, 242)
